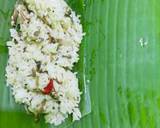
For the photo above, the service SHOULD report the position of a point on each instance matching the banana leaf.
(119, 64)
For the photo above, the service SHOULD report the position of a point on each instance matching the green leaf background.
(123, 77)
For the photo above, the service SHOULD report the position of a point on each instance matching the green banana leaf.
(119, 64)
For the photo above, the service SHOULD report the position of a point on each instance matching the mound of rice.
(46, 35)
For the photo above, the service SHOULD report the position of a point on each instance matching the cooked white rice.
(46, 35)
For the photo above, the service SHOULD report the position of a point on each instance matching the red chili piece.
(49, 87)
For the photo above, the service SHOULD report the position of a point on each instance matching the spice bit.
(49, 87)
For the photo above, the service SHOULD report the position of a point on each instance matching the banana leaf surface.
(118, 68)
